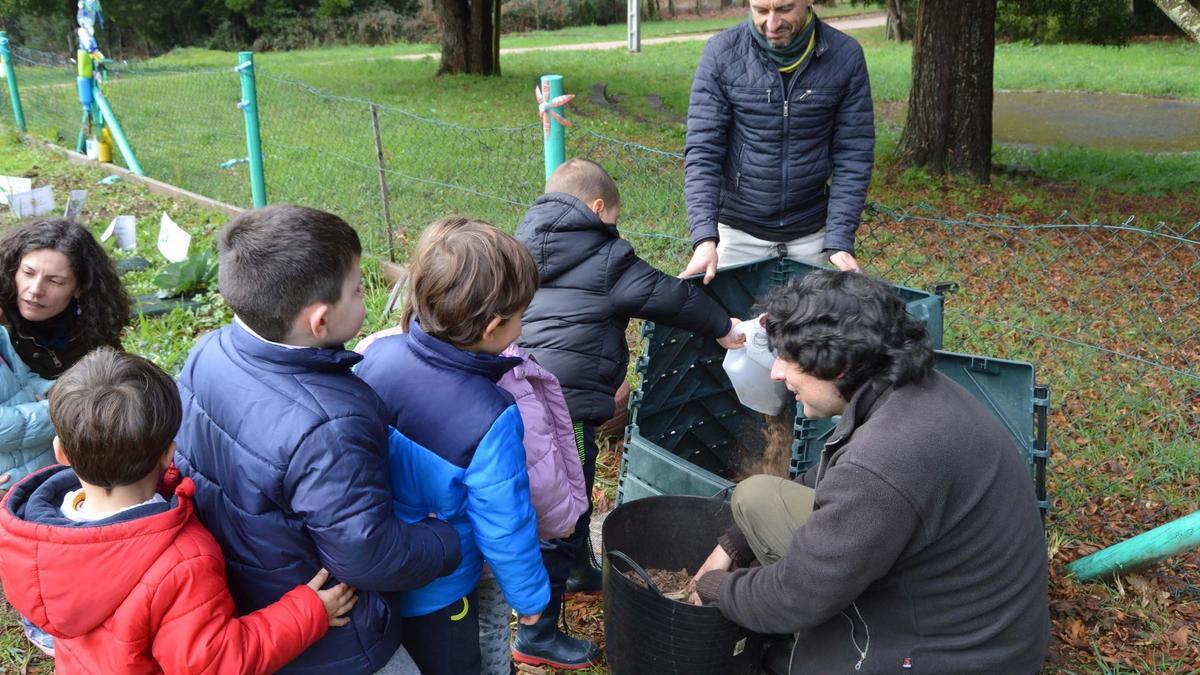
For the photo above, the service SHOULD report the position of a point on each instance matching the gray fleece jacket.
(925, 537)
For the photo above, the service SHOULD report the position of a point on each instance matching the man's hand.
(704, 259)
(843, 261)
(530, 619)
(717, 560)
(732, 339)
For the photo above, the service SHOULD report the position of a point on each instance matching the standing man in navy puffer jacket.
(780, 142)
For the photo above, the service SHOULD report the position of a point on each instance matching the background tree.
(470, 36)
(899, 20)
(1183, 14)
(1096, 21)
(900, 15)
(949, 125)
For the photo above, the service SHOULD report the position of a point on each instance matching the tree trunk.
(897, 21)
(496, 26)
(949, 124)
(1183, 14)
(469, 37)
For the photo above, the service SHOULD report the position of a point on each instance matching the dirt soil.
(675, 585)
(772, 453)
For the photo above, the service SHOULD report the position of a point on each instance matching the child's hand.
(530, 620)
(733, 339)
(338, 600)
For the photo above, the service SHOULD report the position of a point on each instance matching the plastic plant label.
(75, 204)
(173, 242)
(13, 184)
(37, 202)
(125, 227)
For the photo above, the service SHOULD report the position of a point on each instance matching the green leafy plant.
(196, 273)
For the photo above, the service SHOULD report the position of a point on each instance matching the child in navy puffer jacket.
(456, 448)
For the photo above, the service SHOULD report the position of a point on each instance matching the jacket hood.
(69, 578)
(445, 355)
(561, 232)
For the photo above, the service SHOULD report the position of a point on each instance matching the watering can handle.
(636, 568)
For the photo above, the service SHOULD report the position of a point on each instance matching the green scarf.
(790, 57)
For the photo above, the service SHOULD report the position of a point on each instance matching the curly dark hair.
(104, 304)
(848, 328)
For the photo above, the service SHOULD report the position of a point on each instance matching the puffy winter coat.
(288, 451)
(592, 284)
(25, 429)
(759, 155)
(457, 451)
(556, 484)
(140, 592)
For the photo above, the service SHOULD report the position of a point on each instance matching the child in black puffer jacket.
(591, 285)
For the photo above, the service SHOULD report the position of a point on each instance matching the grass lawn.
(1108, 316)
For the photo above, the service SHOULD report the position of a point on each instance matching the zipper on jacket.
(787, 96)
(737, 180)
(768, 94)
(863, 649)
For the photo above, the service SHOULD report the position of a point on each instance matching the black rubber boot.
(585, 580)
(543, 644)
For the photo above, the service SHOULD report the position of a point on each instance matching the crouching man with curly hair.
(915, 543)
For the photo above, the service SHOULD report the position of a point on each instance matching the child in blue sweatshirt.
(457, 450)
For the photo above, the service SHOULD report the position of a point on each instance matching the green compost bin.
(689, 434)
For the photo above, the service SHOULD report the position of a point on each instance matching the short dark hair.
(104, 305)
(277, 260)
(586, 181)
(115, 415)
(463, 274)
(848, 328)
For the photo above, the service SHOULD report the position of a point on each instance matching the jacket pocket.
(739, 164)
(814, 100)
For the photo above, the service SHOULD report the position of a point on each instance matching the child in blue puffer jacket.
(456, 449)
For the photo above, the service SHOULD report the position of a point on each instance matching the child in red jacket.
(124, 577)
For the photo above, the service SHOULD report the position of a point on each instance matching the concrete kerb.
(156, 186)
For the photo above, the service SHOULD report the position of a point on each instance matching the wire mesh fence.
(1109, 313)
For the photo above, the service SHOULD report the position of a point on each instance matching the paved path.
(843, 24)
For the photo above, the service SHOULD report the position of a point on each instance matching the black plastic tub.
(648, 634)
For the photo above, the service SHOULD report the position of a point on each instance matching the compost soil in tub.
(676, 585)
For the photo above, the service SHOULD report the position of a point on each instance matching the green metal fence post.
(249, 106)
(555, 143)
(11, 75)
(1145, 549)
(110, 118)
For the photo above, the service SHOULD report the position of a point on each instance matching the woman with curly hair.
(60, 295)
(60, 298)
